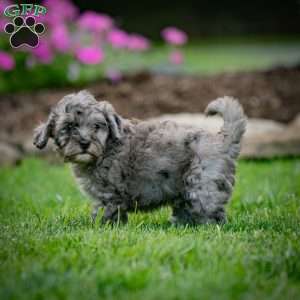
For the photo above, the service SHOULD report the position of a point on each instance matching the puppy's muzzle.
(84, 144)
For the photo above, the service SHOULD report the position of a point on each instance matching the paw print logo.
(24, 32)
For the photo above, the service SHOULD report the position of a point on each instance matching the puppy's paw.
(122, 219)
(39, 137)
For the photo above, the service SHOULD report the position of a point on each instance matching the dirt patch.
(272, 94)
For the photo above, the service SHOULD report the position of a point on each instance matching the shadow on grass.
(247, 223)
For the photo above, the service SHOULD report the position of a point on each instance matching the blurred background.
(203, 18)
(155, 59)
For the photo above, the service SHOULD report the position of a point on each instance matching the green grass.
(50, 250)
(223, 55)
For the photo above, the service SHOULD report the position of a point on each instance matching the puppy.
(125, 165)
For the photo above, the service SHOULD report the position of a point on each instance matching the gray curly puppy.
(128, 165)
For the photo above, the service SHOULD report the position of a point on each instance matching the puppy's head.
(80, 127)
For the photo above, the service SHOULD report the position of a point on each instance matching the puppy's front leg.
(114, 214)
(95, 209)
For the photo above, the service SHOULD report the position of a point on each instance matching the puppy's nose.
(84, 144)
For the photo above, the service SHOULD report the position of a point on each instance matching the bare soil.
(272, 94)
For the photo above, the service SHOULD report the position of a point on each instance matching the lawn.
(50, 250)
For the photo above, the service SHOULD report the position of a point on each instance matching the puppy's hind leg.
(207, 190)
(180, 213)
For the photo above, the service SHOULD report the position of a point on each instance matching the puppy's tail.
(234, 122)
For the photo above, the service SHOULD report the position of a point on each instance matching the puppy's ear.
(43, 132)
(114, 121)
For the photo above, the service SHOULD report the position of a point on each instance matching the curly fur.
(126, 165)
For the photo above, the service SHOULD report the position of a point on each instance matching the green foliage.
(39, 76)
(49, 248)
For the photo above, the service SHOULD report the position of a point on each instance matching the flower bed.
(76, 48)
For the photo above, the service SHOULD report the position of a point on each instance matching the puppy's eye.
(70, 126)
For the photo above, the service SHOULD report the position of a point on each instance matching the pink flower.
(96, 22)
(176, 57)
(137, 42)
(58, 11)
(3, 22)
(174, 36)
(51, 19)
(3, 5)
(90, 55)
(117, 38)
(114, 75)
(60, 38)
(43, 52)
(7, 62)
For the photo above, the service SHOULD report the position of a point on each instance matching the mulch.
(271, 94)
